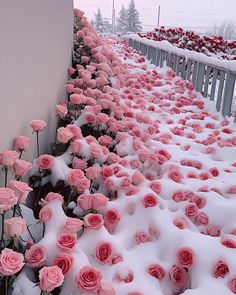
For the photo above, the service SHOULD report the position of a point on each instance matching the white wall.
(36, 38)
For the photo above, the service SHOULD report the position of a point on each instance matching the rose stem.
(6, 172)
(37, 135)
(2, 240)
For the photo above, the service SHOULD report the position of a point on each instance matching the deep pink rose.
(179, 196)
(213, 230)
(7, 199)
(10, 262)
(21, 143)
(8, 158)
(111, 218)
(156, 271)
(64, 134)
(93, 221)
(21, 190)
(21, 167)
(64, 261)
(220, 269)
(36, 256)
(232, 285)
(67, 241)
(14, 226)
(37, 125)
(178, 276)
(185, 257)
(104, 252)
(191, 210)
(45, 162)
(228, 243)
(88, 279)
(149, 200)
(201, 219)
(73, 225)
(45, 214)
(50, 278)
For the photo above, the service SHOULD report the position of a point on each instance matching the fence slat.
(200, 77)
(220, 90)
(228, 94)
(213, 85)
(158, 54)
(206, 83)
(183, 68)
(194, 76)
(177, 66)
(189, 69)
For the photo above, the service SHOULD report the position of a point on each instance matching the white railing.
(213, 81)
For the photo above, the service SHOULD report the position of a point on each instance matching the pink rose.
(201, 219)
(90, 117)
(106, 289)
(21, 167)
(149, 200)
(126, 276)
(10, 262)
(64, 261)
(96, 150)
(79, 164)
(105, 140)
(67, 242)
(185, 257)
(178, 276)
(111, 218)
(77, 99)
(88, 279)
(74, 176)
(232, 285)
(21, 190)
(181, 223)
(213, 231)
(76, 131)
(83, 184)
(36, 256)
(45, 162)
(37, 125)
(191, 210)
(76, 146)
(107, 171)
(220, 269)
(179, 196)
(7, 199)
(21, 143)
(156, 186)
(104, 252)
(99, 201)
(92, 201)
(61, 110)
(142, 237)
(8, 158)
(50, 278)
(45, 214)
(73, 225)
(92, 172)
(64, 135)
(228, 243)
(14, 226)
(51, 197)
(175, 175)
(93, 221)
(156, 271)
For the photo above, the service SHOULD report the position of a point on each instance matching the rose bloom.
(149, 200)
(93, 221)
(111, 218)
(50, 278)
(181, 223)
(106, 289)
(185, 257)
(178, 276)
(64, 135)
(21, 143)
(61, 110)
(124, 276)
(73, 225)
(64, 261)
(74, 176)
(156, 186)
(142, 237)
(90, 117)
(51, 197)
(21, 167)
(8, 158)
(228, 243)
(201, 219)
(191, 210)
(21, 190)
(103, 252)
(10, 262)
(67, 241)
(220, 269)
(76, 146)
(88, 279)
(175, 175)
(178, 196)
(232, 285)
(14, 226)
(156, 271)
(96, 150)
(7, 199)
(105, 140)
(213, 231)
(92, 172)
(36, 256)
(45, 214)
(37, 125)
(45, 162)
(77, 99)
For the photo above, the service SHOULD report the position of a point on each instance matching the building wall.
(36, 38)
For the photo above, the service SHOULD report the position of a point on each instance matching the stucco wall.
(35, 51)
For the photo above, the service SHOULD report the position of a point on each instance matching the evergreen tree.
(99, 25)
(122, 21)
(134, 24)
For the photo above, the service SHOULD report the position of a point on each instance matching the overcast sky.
(194, 14)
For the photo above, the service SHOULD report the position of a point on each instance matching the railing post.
(228, 93)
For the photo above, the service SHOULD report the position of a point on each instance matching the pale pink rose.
(85, 59)
(149, 200)
(142, 237)
(107, 171)
(50, 278)
(137, 178)
(10, 262)
(83, 184)
(70, 88)
(52, 197)
(93, 221)
(21, 190)
(96, 150)
(21, 167)
(21, 142)
(64, 135)
(181, 223)
(99, 201)
(64, 261)
(185, 257)
(76, 131)
(220, 269)
(85, 201)
(61, 110)
(71, 71)
(125, 276)
(73, 225)
(36, 256)
(106, 289)
(45, 162)
(77, 99)
(178, 276)
(105, 140)
(92, 172)
(156, 271)
(154, 231)
(113, 158)
(76, 146)
(7, 199)
(111, 218)
(102, 118)
(37, 125)
(90, 117)
(14, 226)
(232, 284)
(8, 158)
(79, 164)
(74, 176)
(67, 242)
(45, 214)
(104, 252)
(88, 279)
